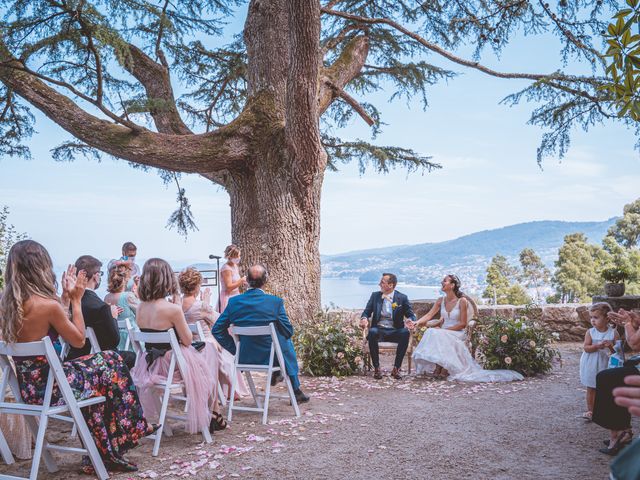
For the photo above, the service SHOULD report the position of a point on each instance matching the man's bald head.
(257, 276)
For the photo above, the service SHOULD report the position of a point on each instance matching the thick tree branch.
(224, 149)
(156, 80)
(438, 49)
(552, 79)
(343, 70)
(353, 103)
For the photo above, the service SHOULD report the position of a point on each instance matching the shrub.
(514, 344)
(329, 345)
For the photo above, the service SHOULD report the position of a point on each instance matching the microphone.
(214, 257)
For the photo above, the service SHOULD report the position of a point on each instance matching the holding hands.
(410, 324)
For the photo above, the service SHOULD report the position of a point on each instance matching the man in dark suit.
(98, 314)
(255, 308)
(389, 309)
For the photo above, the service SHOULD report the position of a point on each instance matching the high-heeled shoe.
(621, 441)
(217, 422)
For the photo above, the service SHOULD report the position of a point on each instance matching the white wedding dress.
(448, 349)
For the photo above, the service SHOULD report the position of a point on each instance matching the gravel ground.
(414, 428)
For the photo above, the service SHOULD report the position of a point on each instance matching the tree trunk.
(275, 197)
(274, 229)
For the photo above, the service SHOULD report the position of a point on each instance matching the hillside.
(467, 256)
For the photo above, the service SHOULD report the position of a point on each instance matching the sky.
(489, 179)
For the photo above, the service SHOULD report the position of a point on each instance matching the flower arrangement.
(329, 345)
(514, 344)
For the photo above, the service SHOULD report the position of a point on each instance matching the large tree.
(578, 268)
(258, 115)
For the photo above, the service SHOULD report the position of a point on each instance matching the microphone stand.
(217, 257)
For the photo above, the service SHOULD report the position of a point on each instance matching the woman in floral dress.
(29, 310)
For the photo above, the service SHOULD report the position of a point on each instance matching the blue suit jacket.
(256, 309)
(402, 310)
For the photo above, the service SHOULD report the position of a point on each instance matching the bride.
(445, 345)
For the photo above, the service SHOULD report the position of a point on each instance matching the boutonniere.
(394, 305)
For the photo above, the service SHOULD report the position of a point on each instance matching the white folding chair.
(196, 329)
(122, 326)
(89, 334)
(45, 411)
(236, 333)
(166, 388)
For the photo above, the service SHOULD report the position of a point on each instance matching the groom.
(389, 308)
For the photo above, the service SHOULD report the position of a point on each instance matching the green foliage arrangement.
(514, 344)
(329, 345)
(615, 274)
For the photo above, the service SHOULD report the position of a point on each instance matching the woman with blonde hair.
(30, 310)
(126, 301)
(157, 314)
(231, 281)
(196, 305)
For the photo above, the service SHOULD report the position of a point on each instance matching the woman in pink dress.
(230, 275)
(197, 308)
(156, 314)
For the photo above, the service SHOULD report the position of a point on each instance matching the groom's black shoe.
(276, 377)
(377, 374)
(300, 396)
(395, 373)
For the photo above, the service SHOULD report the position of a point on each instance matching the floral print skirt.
(117, 424)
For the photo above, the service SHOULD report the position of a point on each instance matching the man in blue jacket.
(387, 308)
(255, 308)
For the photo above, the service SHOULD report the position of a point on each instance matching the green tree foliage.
(502, 283)
(626, 231)
(623, 57)
(8, 236)
(578, 269)
(534, 272)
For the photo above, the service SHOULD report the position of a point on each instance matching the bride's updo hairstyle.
(456, 285)
(157, 280)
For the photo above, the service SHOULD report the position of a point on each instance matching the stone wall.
(570, 320)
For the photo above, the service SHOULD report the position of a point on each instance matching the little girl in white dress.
(599, 343)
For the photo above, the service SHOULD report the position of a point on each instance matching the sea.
(335, 292)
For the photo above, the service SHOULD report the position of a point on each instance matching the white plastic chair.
(45, 411)
(89, 334)
(166, 388)
(261, 407)
(196, 329)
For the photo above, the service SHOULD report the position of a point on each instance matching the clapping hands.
(622, 317)
(205, 296)
(74, 285)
